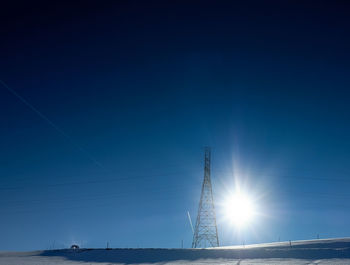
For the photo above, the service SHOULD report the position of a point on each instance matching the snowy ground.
(331, 251)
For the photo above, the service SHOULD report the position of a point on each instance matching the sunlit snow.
(330, 251)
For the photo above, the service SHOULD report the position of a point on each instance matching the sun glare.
(239, 209)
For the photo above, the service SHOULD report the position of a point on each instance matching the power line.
(52, 124)
(98, 196)
(94, 181)
(73, 200)
(111, 203)
(97, 181)
(166, 189)
(296, 177)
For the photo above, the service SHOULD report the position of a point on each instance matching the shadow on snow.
(314, 250)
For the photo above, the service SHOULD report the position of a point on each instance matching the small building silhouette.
(74, 247)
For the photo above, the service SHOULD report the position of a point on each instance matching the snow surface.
(326, 251)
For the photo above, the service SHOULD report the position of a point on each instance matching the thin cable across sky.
(52, 124)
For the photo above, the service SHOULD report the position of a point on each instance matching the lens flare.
(239, 209)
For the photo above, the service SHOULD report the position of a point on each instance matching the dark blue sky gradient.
(138, 89)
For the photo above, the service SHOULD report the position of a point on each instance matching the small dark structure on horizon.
(74, 247)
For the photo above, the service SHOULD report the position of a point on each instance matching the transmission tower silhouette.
(206, 232)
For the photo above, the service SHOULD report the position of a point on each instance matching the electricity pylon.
(206, 232)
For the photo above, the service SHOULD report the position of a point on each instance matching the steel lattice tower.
(206, 232)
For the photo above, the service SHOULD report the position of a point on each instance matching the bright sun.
(239, 209)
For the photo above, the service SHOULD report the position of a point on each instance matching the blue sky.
(138, 91)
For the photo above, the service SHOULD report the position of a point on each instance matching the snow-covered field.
(330, 251)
